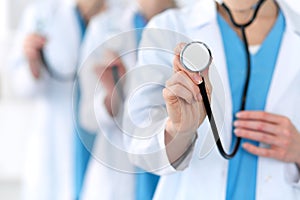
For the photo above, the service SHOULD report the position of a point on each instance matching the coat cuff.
(182, 162)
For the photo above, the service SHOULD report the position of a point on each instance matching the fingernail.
(236, 131)
(238, 114)
(197, 78)
(199, 97)
(235, 123)
(182, 45)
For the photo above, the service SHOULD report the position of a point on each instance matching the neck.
(88, 9)
(243, 10)
(150, 8)
(258, 30)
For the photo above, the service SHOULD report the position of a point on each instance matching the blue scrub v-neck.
(242, 171)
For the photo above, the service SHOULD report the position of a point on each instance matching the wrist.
(171, 132)
(178, 144)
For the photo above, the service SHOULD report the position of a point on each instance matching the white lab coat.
(49, 171)
(110, 173)
(206, 178)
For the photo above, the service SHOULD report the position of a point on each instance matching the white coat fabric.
(206, 178)
(49, 171)
(110, 173)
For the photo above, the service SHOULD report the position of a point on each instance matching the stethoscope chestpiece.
(195, 56)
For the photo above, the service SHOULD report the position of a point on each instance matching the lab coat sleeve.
(97, 33)
(88, 85)
(110, 138)
(105, 122)
(145, 113)
(87, 78)
(23, 83)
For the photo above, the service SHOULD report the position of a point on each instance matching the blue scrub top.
(82, 155)
(145, 182)
(242, 171)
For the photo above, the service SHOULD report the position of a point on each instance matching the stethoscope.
(196, 57)
(55, 74)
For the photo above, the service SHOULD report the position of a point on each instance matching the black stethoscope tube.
(54, 74)
(116, 77)
(213, 125)
(246, 86)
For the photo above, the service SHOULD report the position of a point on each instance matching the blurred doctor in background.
(44, 65)
(101, 50)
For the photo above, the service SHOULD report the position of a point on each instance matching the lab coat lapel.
(221, 98)
(211, 35)
(286, 73)
(287, 68)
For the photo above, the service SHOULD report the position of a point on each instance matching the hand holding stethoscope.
(260, 126)
(195, 58)
(34, 45)
(110, 72)
(184, 105)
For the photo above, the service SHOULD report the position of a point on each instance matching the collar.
(202, 13)
(205, 11)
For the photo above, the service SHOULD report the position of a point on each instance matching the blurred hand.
(105, 74)
(183, 99)
(32, 46)
(274, 130)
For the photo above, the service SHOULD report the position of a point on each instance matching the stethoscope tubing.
(116, 77)
(54, 74)
(203, 92)
(212, 122)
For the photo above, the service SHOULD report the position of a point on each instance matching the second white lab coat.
(206, 177)
(110, 175)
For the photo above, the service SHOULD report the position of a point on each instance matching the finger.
(260, 126)
(183, 79)
(178, 66)
(34, 41)
(32, 54)
(35, 69)
(37, 37)
(204, 74)
(260, 115)
(178, 48)
(259, 137)
(259, 151)
(179, 91)
(195, 77)
(33, 46)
